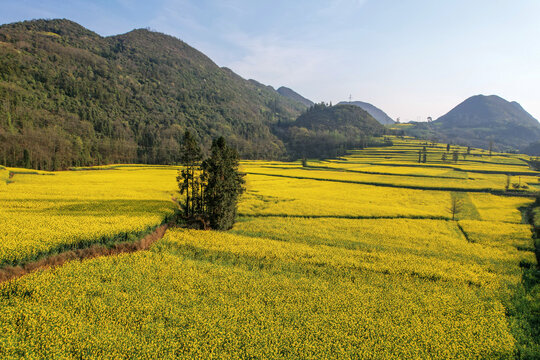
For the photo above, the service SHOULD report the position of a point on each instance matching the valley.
(351, 257)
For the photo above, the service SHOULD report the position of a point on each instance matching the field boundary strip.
(412, 187)
(9, 273)
(463, 232)
(454, 167)
(83, 243)
(365, 217)
(329, 168)
(350, 217)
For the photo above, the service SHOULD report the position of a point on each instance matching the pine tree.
(224, 185)
(188, 182)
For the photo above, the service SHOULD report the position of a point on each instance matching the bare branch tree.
(456, 205)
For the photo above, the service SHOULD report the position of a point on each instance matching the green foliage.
(211, 188)
(188, 181)
(329, 131)
(225, 185)
(73, 98)
(525, 305)
(289, 93)
(374, 111)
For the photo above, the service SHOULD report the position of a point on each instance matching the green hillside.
(71, 97)
(481, 120)
(374, 111)
(329, 131)
(285, 91)
(342, 118)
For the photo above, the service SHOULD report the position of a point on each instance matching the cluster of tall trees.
(210, 187)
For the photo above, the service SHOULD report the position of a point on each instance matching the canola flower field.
(43, 213)
(314, 268)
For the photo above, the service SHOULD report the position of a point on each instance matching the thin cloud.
(174, 15)
(270, 60)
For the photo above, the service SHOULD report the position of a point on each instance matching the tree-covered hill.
(328, 131)
(374, 111)
(71, 97)
(290, 93)
(346, 119)
(483, 120)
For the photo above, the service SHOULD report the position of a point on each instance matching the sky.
(411, 58)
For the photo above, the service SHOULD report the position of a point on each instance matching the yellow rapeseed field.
(320, 264)
(40, 214)
(432, 249)
(494, 182)
(270, 195)
(499, 208)
(192, 297)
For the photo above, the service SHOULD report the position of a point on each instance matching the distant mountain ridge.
(291, 94)
(481, 120)
(492, 110)
(374, 111)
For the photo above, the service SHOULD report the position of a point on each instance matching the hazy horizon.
(412, 60)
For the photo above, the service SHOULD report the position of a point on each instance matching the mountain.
(328, 131)
(72, 97)
(345, 119)
(374, 111)
(479, 120)
(291, 94)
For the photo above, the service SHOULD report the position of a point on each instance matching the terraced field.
(355, 257)
(46, 213)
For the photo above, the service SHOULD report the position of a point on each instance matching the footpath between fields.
(8, 273)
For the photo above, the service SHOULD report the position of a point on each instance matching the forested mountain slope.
(71, 97)
(374, 111)
(290, 93)
(328, 131)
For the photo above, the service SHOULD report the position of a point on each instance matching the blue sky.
(411, 58)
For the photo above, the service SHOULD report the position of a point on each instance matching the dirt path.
(14, 272)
